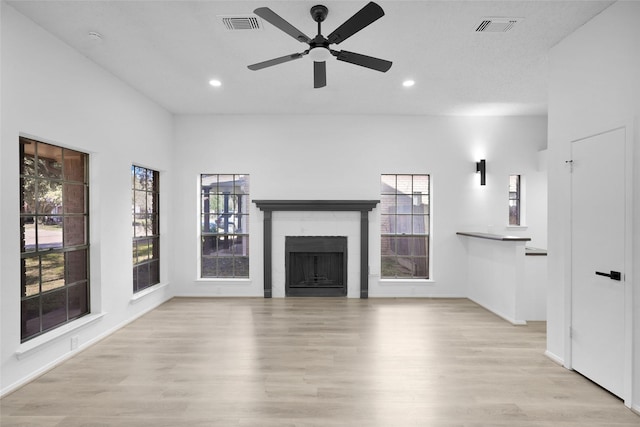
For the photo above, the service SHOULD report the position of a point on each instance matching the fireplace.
(362, 206)
(316, 266)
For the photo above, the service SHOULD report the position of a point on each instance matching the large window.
(405, 226)
(224, 225)
(145, 184)
(514, 200)
(54, 245)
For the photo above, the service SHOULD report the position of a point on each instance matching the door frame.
(629, 129)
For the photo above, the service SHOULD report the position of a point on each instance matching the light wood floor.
(316, 362)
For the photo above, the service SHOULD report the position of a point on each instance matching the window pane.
(140, 204)
(388, 184)
(74, 166)
(420, 204)
(388, 204)
(28, 195)
(403, 224)
(76, 266)
(78, 301)
(143, 276)
(209, 181)
(395, 267)
(150, 225)
(144, 247)
(52, 271)
(28, 234)
(404, 184)
(30, 322)
(225, 266)
(420, 267)
(28, 159)
(139, 225)
(420, 224)
(31, 276)
(49, 197)
(421, 184)
(54, 309)
(75, 231)
(405, 203)
(74, 198)
(49, 232)
(135, 278)
(241, 266)
(49, 161)
(154, 272)
(150, 180)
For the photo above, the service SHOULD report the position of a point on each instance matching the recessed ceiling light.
(215, 83)
(408, 83)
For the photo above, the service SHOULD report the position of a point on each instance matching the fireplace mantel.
(362, 206)
(316, 205)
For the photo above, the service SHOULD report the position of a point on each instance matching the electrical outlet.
(74, 342)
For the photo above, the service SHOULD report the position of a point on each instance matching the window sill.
(143, 293)
(407, 281)
(221, 280)
(50, 337)
(517, 227)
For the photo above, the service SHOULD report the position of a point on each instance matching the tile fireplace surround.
(362, 206)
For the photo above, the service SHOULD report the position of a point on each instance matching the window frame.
(228, 230)
(146, 272)
(65, 205)
(416, 243)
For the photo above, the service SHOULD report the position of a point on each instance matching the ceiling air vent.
(496, 25)
(233, 23)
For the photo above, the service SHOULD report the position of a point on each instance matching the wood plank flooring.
(316, 362)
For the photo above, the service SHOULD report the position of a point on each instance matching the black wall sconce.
(481, 167)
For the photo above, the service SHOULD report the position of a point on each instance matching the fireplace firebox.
(316, 266)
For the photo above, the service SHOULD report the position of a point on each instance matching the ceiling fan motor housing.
(319, 13)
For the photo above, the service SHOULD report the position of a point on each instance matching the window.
(54, 244)
(514, 200)
(405, 226)
(224, 225)
(145, 198)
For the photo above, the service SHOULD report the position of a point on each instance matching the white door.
(597, 248)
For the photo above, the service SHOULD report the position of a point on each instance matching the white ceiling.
(169, 50)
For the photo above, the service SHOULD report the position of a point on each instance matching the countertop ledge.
(490, 236)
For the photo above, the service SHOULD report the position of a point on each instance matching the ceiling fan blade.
(319, 74)
(365, 16)
(275, 61)
(276, 20)
(364, 61)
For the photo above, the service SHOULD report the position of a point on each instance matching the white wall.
(53, 93)
(342, 157)
(594, 86)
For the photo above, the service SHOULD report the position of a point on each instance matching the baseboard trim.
(554, 358)
(514, 322)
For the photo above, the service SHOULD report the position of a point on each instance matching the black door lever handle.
(613, 275)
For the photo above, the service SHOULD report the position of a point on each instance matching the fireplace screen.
(316, 266)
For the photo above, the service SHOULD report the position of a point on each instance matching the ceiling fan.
(319, 49)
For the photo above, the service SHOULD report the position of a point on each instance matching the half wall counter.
(505, 276)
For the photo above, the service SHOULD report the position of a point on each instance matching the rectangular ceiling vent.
(496, 25)
(248, 22)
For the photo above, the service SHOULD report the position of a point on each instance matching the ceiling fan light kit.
(319, 50)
